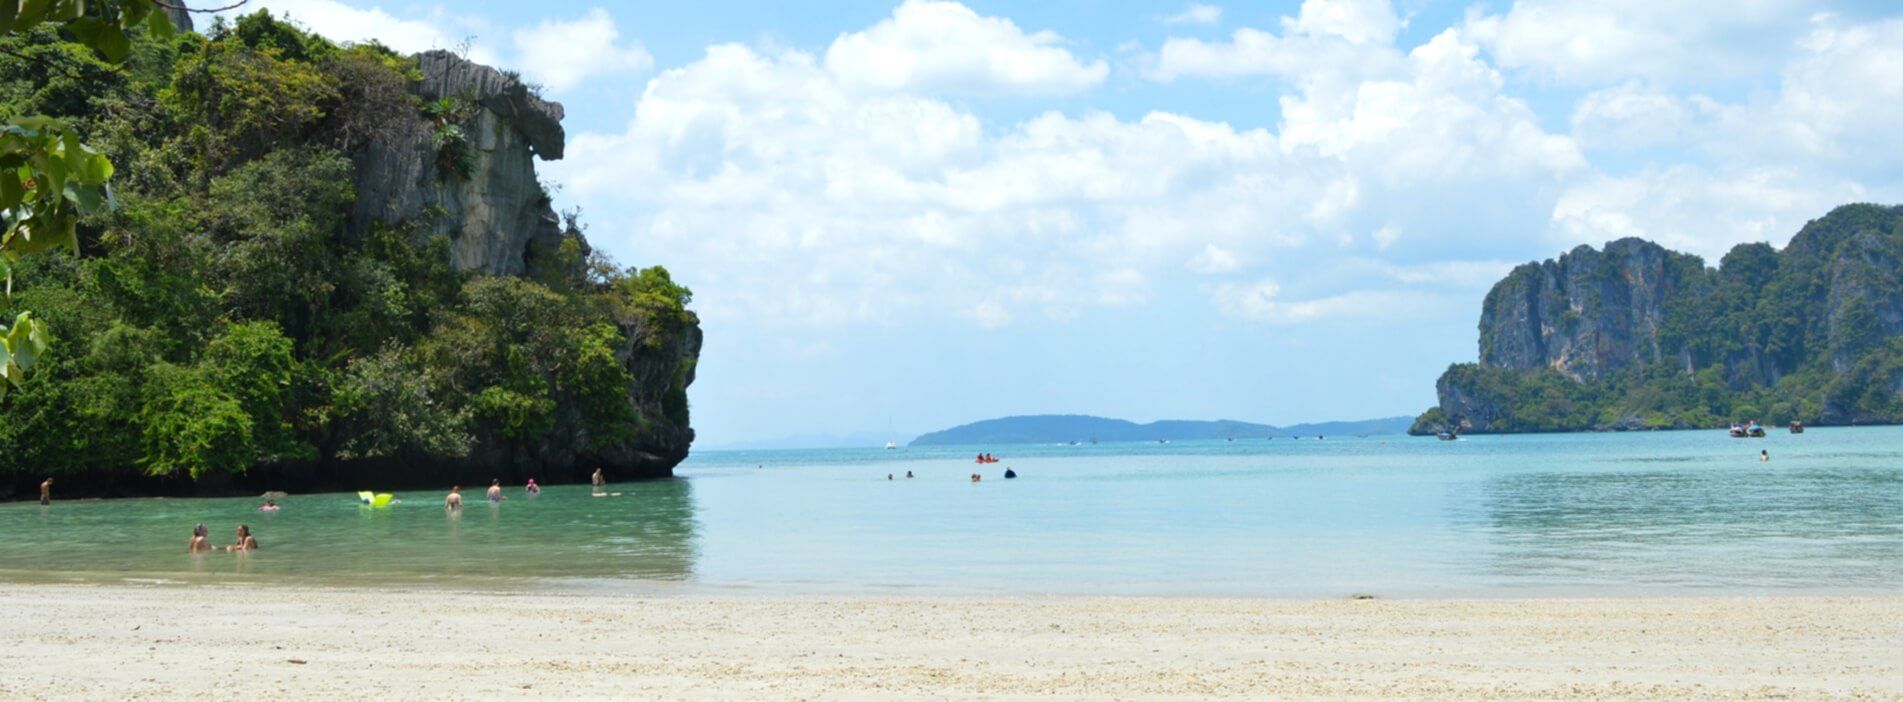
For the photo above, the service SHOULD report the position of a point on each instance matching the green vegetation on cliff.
(226, 315)
(1636, 337)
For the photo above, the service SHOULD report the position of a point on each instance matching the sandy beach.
(99, 642)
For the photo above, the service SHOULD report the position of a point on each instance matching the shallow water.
(1673, 512)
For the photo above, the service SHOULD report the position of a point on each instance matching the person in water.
(245, 542)
(532, 489)
(201, 541)
(46, 491)
(1009, 474)
(269, 506)
(600, 483)
(908, 475)
(888, 476)
(975, 477)
(454, 500)
(495, 492)
(1764, 455)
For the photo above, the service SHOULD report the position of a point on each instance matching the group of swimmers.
(1008, 474)
(454, 500)
(201, 540)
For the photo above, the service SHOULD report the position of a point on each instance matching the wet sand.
(124, 642)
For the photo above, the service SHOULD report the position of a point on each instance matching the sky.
(902, 216)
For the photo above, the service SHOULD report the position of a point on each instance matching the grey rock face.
(1585, 314)
(497, 214)
(500, 222)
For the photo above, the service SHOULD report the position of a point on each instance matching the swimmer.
(1764, 455)
(46, 491)
(975, 477)
(600, 483)
(888, 476)
(1009, 474)
(908, 475)
(200, 541)
(454, 501)
(532, 489)
(245, 542)
(495, 492)
(269, 506)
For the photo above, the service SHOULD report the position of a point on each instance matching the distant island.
(1638, 337)
(1065, 428)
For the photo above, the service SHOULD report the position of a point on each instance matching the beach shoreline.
(69, 641)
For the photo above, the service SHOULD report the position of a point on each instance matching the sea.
(1655, 513)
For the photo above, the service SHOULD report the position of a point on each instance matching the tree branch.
(181, 6)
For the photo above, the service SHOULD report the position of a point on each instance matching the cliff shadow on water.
(1634, 336)
(330, 267)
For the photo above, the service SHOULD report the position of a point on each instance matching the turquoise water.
(1674, 512)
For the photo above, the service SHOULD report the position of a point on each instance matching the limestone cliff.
(489, 203)
(1635, 336)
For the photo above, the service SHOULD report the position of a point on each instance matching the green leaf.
(8, 8)
(160, 25)
(31, 12)
(66, 10)
(95, 169)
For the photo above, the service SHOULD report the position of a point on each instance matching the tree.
(48, 179)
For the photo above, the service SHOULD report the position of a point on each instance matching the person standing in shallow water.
(454, 500)
(600, 483)
(46, 491)
(495, 492)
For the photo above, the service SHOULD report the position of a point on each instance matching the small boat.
(1447, 436)
(1797, 427)
(890, 446)
(1737, 431)
(1755, 430)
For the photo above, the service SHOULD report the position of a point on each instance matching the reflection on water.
(1596, 514)
(1747, 524)
(648, 533)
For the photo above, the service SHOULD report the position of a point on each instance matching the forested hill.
(1637, 337)
(1065, 428)
(328, 267)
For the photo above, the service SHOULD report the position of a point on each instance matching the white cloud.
(1212, 260)
(1196, 13)
(437, 29)
(929, 46)
(1695, 210)
(1262, 301)
(1610, 41)
(799, 196)
(1771, 163)
(1630, 117)
(1347, 38)
(561, 53)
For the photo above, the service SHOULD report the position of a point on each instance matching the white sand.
(82, 642)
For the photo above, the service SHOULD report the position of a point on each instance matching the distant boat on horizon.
(890, 445)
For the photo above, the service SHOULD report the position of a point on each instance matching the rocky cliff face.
(481, 190)
(1585, 314)
(487, 200)
(1633, 335)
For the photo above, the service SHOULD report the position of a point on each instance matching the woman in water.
(245, 542)
(600, 483)
(200, 542)
(454, 500)
(269, 506)
(495, 492)
(532, 489)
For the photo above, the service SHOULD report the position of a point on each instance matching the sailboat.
(890, 446)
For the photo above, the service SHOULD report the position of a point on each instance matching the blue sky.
(917, 214)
